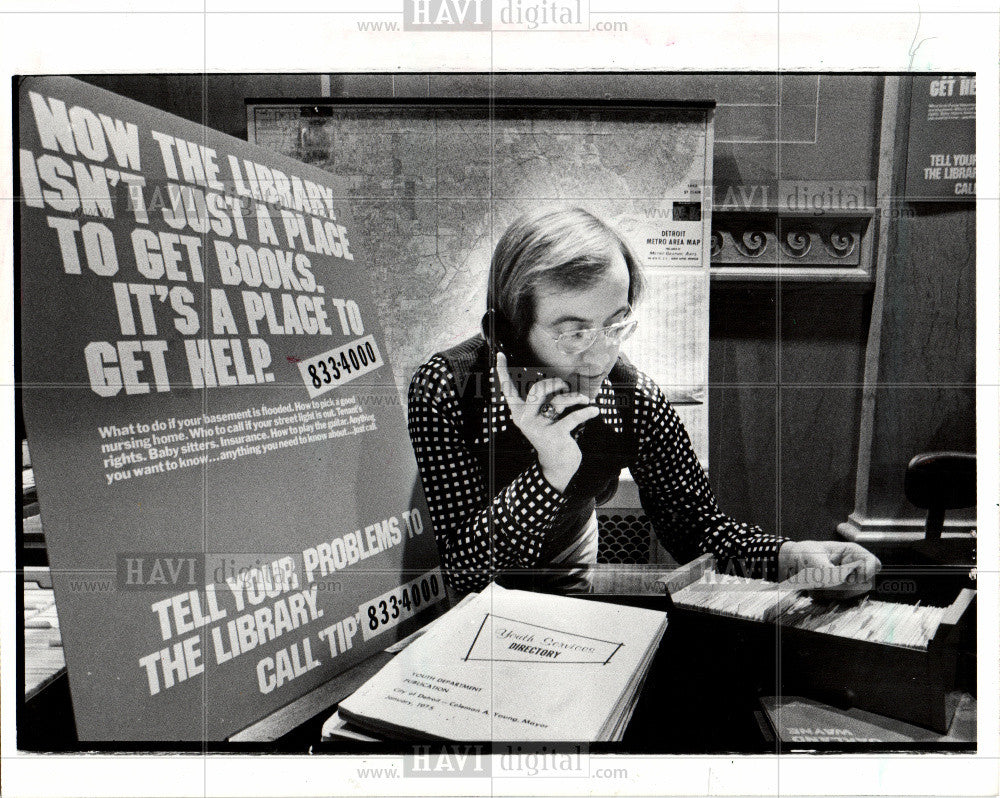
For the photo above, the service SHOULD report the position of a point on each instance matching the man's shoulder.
(648, 399)
(626, 374)
(466, 355)
(439, 374)
(623, 372)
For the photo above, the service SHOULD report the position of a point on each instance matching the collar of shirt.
(501, 416)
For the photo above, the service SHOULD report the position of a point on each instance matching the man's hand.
(559, 455)
(794, 556)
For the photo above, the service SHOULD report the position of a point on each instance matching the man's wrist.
(559, 474)
(558, 477)
(786, 558)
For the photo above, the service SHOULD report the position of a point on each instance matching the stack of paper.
(891, 623)
(513, 665)
(336, 728)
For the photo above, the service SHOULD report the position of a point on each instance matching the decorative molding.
(862, 529)
(779, 239)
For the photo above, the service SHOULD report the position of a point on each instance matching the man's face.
(559, 310)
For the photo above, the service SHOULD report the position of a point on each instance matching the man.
(512, 472)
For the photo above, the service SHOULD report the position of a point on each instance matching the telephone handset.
(522, 365)
(602, 448)
(521, 362)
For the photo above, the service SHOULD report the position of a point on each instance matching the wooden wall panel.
(742, 424)
(926, 396)
(214, 100)
(807, 444)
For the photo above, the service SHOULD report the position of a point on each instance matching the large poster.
(941, 154)
(212, 417)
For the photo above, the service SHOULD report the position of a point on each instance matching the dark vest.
(509, 453)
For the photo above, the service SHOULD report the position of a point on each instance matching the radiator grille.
(625, 538)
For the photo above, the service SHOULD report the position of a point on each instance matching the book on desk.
(514, 665)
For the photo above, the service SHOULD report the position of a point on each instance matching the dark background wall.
(928, 369)
(786, 360)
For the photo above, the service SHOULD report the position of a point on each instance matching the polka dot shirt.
(479, 534)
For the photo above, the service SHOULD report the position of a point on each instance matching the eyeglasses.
(577, 341)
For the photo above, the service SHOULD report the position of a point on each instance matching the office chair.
(939, 481)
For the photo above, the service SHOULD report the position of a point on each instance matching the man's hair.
(561, 247)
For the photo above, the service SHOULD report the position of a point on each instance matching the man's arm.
(477, 534)
(676, 495)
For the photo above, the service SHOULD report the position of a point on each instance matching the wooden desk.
(701, 695)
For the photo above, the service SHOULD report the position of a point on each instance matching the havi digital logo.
(447, 14)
